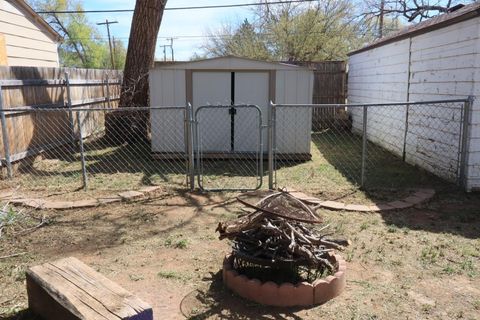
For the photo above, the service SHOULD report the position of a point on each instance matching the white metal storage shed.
(433, 60)
(223, 81)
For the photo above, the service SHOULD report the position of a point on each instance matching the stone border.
(419, 196)
(37, 203)
(287, 294)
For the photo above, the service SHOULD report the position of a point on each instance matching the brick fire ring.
(286, 294)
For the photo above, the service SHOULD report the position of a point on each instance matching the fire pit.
(279, 256)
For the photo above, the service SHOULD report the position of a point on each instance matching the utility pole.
(380, 20)
(164, 53)
(171, 47)
(108, 23)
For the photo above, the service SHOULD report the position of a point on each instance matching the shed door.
(250, 88)
(238, 130)
(213, 88)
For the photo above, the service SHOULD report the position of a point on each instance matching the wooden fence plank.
(40, 86)
(329, 87)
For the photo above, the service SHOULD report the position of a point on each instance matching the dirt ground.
(420, 263)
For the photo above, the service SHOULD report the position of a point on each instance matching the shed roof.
(467, 12)
(23, 6)
(228, 63)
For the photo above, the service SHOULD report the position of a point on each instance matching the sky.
(175, 23)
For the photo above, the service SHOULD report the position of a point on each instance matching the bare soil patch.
(420, 263)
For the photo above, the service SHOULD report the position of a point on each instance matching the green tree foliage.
(244, 41)
(323, 30)
(83, 45)
(119, 54)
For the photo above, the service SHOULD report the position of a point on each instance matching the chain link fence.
(376, 146)
(55, 150)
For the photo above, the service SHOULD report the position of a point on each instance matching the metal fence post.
(270, 145)
(82, 151)
(69, 105)
(405, 136)
(190, 149)
(6, 142)
(364, 145)
(467, 106)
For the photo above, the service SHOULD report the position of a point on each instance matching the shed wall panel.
(167, 88)
(293, 125)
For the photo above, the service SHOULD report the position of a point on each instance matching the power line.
(186, 37)
(182, 8)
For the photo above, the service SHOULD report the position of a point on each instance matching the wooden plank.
(69, 289)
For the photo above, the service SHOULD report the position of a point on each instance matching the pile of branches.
(281, 230)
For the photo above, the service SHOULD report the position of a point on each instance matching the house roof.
(465, 13)
(22, 5)
(227, 62)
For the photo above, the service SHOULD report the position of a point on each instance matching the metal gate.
(228, 147)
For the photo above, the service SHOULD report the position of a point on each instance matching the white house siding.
(27, 44)
(443, 65)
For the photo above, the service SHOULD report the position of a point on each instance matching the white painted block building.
(433, 60)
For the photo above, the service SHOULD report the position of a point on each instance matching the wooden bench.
(68, 289)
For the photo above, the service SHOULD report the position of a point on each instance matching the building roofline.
(38, 19)
(173, 63)
(466, 13)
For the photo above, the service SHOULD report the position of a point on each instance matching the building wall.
(380, 75)
(26, 43)
(438, 65)
(168, 88)
(293, 125)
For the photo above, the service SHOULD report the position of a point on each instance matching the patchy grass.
(333, 173)
(176, 241)
(169, 275)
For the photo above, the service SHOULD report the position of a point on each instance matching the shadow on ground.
(216, 300)
(450, 211)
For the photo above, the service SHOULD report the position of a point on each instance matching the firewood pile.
(281, 229)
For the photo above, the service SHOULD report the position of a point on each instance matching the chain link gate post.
(190, 148)
(271, 133)
(6, 142)
(364, 146)
(467, 107)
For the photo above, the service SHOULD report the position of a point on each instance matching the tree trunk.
(131, 126)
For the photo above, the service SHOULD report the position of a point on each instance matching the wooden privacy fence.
(329, 87)
(26, 133)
